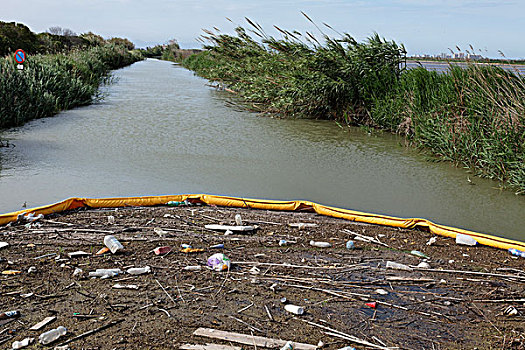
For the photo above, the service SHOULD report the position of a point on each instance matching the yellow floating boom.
(225, 201)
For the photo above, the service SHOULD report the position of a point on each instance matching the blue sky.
(424, 26)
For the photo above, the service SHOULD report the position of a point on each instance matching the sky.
(423, 26)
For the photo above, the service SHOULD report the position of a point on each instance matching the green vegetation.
(53, 82)
(473, 116)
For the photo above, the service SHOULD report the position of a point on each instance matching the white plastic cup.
(294, 309)
(112, 243)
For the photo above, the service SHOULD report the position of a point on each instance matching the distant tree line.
(15, 36)
(169, 52)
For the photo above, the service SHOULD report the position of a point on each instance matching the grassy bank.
(54, 82)
(474, 117)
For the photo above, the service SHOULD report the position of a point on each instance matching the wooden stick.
(471, 273)
(93, 331)
(366, 238)
(336, 333)
(268, 312)
(288, 265)
(249, 339)
(169, 296)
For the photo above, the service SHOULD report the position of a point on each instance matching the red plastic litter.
(162, 250)
(373, 305)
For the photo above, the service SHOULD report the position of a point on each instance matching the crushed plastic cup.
(465, 240)
(22, 343)
(350, 245)
(219, 262)
(112, 243)
(238, 219)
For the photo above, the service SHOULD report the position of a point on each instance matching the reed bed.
(50, 83)
(473, 116)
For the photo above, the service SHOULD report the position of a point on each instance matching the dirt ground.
(423, 309)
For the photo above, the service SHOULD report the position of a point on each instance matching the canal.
(161, 130)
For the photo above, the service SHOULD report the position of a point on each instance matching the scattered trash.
(162, 250)
(381, 291)
(350, 245)
(102, 251)
(320, 344)
(288, 346)
(431, 241)
(254, 270)
(283, 300)
(192, 250)
(219, 262)
(294, 309)
(3, 245)
(27, 295)
(139, 270)
(105, 273)
(111, 219)
(11, 272)
(465, 240)
(419, 254)
(217, 246)
(112, 243)
(43, 323)
(302, 225)
(177, 203)
(77, 254)
(424, 265)
(52, 335)
(31, 269)
(9, 314)
(160, 231)
(78, 271)
(373, 304)
(125, 286)
(184, 246)
(32, 218)
(238, 219)
(320, 244)
(510, 311)
(239, 228)
(397, 266)
(347, 348)
(192, 268)
(22, 343)
(517, 252)
(284, 242)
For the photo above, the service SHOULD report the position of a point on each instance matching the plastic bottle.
(9, 314)
(52, 335)
(139, 270)
(22, 343)
(294, 309)
(112, 243)
(517, 252)
(320, 244)
(175, 203)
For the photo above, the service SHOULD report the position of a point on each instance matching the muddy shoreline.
(459, 303)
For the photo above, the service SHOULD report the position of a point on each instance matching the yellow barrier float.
(225, 201)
